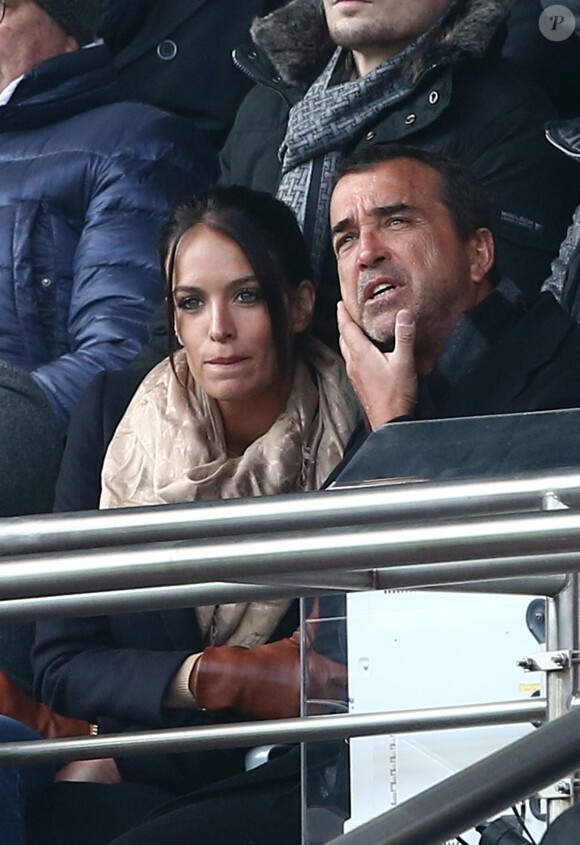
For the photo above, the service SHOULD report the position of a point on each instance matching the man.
(341, 75)
(425, 330)
(85, 184)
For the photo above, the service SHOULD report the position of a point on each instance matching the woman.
(249, 406)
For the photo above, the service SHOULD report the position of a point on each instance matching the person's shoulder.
(30, 438)
(18, 388)
(140, 120)
(150, 390)
(498, 84)
(550, 332)
(262, 107)
(547, 308)
(134, 131)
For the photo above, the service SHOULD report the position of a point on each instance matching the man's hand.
(386, 382)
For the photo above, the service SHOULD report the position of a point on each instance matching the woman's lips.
(227, 362)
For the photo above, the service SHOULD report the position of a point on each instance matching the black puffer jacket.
(465, 102)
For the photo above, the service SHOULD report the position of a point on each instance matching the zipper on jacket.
(260, 77)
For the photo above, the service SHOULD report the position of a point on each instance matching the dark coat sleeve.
(97, 415)
(115, 670)
(80, 669)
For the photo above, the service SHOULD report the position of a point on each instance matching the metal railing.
(478, 792)
(420, 535)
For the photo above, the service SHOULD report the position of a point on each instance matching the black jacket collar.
(297, 44)
(61, 88)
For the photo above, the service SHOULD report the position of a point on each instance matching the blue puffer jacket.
(85, 185)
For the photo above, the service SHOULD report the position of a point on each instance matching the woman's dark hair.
(268, 234)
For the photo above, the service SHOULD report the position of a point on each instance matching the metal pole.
(538, 585)
(255, 557)
(478, 792)
(275, 731)
(535, 585)
(417, 576)
(185, 595)
(155, 598)
(561, 634)
(326, 509)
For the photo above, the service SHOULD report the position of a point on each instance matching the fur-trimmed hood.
(297, 42)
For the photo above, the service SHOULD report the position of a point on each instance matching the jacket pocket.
(44, 245)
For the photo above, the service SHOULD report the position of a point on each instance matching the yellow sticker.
(529, 688)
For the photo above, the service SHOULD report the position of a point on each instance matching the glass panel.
(511, 445)
(410, 650)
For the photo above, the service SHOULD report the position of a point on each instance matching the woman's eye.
(249, 295)
(189, 303)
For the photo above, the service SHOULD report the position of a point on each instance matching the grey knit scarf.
(325, 123)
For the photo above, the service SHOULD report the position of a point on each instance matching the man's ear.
(302, 306)
(482, 254)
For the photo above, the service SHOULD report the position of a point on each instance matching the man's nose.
(221, 324)
(371, 248)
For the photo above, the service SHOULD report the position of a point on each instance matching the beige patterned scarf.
(170, 447)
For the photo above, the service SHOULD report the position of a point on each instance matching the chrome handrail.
(478, 792)
(356, 506)
(279, 730)
(419, 535)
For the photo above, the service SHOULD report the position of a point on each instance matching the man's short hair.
(466, 199)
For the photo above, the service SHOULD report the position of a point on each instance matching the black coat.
(97, 415)
(552, 64)
(484, 113)
(178, 55)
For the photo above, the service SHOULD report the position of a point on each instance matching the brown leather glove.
(264, 681)
(20, 706)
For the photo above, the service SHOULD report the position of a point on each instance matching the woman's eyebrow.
(183, 288)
